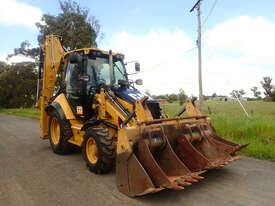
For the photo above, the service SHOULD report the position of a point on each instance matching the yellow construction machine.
(97, 108)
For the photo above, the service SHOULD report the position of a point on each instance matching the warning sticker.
(79, 110)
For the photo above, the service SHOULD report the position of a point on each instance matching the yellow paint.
(191, 109)
(63, 102)
(53, 54)
(55, 131)
(78, 135)
(44, 119)
(92, 150)
(143, 113)
(125, 104)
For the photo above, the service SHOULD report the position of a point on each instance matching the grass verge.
(23, 112)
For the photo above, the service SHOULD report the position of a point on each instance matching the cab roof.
(90, 50)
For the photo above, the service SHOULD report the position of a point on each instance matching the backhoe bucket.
(169, 153)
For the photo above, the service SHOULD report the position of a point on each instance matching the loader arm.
(53, 54)
(112, 109)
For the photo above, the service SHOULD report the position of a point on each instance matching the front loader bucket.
(169, 153)
(152, 166)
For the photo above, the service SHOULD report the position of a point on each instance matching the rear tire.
(99, 150)
(60, 131)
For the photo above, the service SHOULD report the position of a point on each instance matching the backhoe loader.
(97, 108)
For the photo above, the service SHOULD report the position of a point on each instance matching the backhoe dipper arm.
(53, 53)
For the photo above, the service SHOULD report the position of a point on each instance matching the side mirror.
(139, 82)
(75, 58)
(137, 67)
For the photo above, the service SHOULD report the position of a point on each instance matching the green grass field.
(229, 120)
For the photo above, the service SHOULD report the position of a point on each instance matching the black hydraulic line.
(110, 125)
(41, 62)
(184, 109)
(128, 119)
(181, 112)
(116, 102)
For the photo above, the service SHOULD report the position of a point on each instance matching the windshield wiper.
(114, 64)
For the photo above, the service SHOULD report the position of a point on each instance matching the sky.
(238, 39)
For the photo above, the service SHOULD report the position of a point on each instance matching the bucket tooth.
(236, 158)
(197, 177)
(239, 147)
(183, 182)
(191, 179)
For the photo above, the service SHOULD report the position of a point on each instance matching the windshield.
(99, 71)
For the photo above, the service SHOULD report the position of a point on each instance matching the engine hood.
(131, 95)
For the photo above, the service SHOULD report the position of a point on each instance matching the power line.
(210, 12)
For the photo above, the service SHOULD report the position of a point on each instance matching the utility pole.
(197, 6)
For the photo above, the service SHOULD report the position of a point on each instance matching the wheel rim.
(92, 150)
(55, 131)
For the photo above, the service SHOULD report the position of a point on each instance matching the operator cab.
(85, 74)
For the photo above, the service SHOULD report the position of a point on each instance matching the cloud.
(2, 58)
(13, 12)
(238, 53)
(233, 57)
(15, 59)
(165, 67)
(20, 58)
(252, 39)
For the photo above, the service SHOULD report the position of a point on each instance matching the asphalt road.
(31, 174)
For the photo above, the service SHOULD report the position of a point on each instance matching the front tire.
(60, 131)
(99, 150)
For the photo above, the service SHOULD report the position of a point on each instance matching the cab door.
(74, 87)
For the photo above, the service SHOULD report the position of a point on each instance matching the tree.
(267, 86)
(77, 28)
(214, 95)
(256, 93)
(3, 67)
(73, 24)
(182, 96)
(237, 93)
(18, 85)
(272, 95)
(242, 92)
(162, 96)
(172, 98)
(205, 98)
